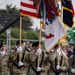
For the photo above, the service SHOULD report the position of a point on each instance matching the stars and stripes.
(28, 8)
(48, 12)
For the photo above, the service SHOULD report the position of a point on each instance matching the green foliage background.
(71, 35)
(9, 14)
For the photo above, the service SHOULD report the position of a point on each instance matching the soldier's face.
(30, 45)
(40, 46)
(3, 48)
(20, 44)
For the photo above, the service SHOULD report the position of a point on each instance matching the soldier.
(4, 59)
(72, 62)
(36, 61)
(28, 47)
(58, 63)
(18, 59)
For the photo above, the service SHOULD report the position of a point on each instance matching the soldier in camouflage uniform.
(18, 59)
(72, 63)
(58, 63)
(4, 59)
(36, 61)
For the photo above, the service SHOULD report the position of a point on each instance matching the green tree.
(30, 34)
(3, 36)
(71, 35)
(9, 14)
(34, 35)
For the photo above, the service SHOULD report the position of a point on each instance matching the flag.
(28, 9)
(54, 32)
(67, 13)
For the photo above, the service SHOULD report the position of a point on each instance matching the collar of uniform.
(2, 53)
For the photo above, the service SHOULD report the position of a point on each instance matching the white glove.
(39, 51)
(20, 63)
(73, 70)
(38, 69)
(19, 49)
(57, 67)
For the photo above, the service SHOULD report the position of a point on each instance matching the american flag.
(28, 9)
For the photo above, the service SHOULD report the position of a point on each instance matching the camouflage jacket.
(14, 56)
(54, 60)
(4, 61)
(32, 60)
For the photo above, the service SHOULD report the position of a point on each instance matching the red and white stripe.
(27, 8)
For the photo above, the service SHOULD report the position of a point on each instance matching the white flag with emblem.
(54, 32)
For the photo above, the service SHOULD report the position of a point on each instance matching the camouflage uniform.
(71, 64)
(63, 62)
(15, 59)
(32, 60)
(4, 70)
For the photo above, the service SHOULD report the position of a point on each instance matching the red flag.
(28, 8)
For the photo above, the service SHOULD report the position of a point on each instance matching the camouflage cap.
(18, 42)
(2, 43)
(35, 44)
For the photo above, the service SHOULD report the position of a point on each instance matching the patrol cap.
(35, 44)
(18, 42)
(2, 43)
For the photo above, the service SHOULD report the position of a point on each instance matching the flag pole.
(20, 36)
(40, 38)
(61, 17)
